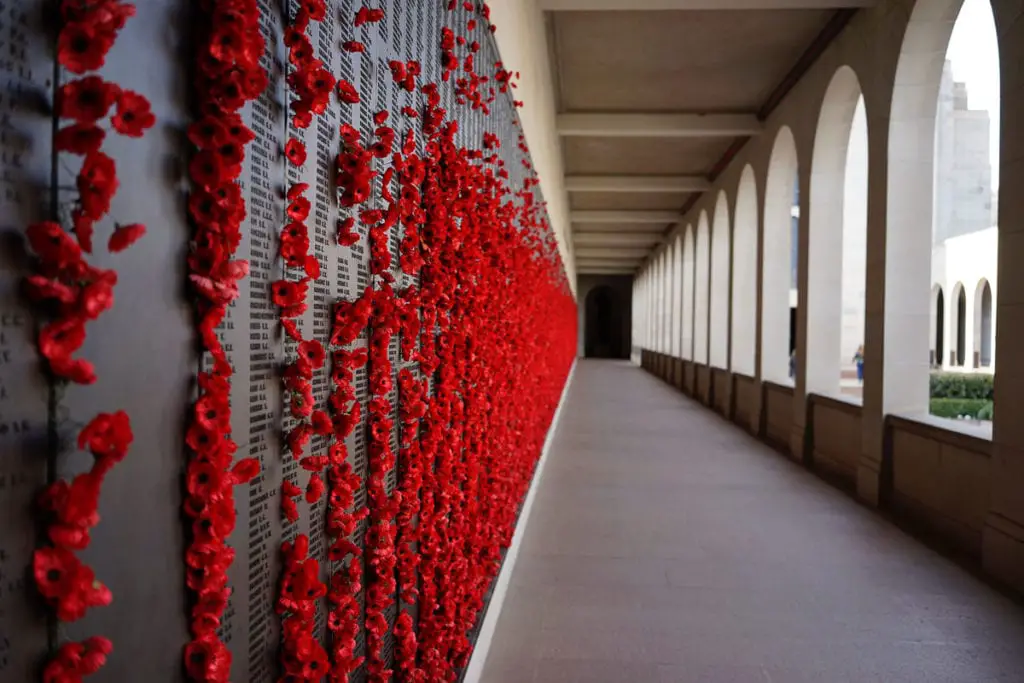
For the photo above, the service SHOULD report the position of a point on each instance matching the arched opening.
(677, 302)
(701, 285)
(942, 182)
(688, 292)
(603, 334)
(959, 351)
(720, 261)
(938, 350)
(983, 325)
(744, 275)
(838, 240)
(781, 230)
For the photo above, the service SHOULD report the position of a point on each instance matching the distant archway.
(938, 327)
(603, 334)
(983, 325)
(958, 355)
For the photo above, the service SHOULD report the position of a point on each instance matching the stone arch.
(910, 206)
(829, 189)
(938, 318)
(776, 274)
(744, 275)
(958, 330)
(984, 317)
(677, 288)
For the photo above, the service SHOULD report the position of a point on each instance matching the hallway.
(665, 544)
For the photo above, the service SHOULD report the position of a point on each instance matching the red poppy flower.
(107, 436)
(315, 489)
(83, 47)
(346, 235)
(313, 352)
(312, 267)
(245, 470)
(97, 182)
(290, 509)
(290, 490)
(347, 92)
(366, 15)
(86, 99)
(79, 138)
(124, 236)
(298, 208)
(208, 659)
(295, 151)
(53, 245)
(353, 46)
(133, 115)
(61, 338)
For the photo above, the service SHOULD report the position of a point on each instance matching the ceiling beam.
(607, 271)
(611, 239)
(613, 5)
(615, 251)
(636, 183)
(659, 217)
(658, 125)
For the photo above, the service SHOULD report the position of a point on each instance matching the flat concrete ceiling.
(659, 91)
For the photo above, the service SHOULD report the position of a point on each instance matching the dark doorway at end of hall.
(605, 315)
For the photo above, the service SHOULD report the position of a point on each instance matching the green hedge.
(961, 385)
(976, 408)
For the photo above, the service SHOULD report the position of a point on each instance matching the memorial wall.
(284, 327)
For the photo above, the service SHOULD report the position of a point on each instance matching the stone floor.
(666, 545)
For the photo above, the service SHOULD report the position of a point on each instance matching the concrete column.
(688, 292)
(718, 350)
(1003, 539)
(743, 330)
(702, 284)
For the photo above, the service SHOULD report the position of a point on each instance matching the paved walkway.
(666, 545)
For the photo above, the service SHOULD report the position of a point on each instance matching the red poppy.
(97, 182)
(107, 436)
(86, 99)
(315, 489)
(124, 236)
(353, 46)
(245, 470)
(290, 509)
(53, 245)
(295, 151)
(208, 659)
(83, 47)
(313, 352)
(290, 490)
(347, 92)
(133, 115)
(366, 15)
(79, 138)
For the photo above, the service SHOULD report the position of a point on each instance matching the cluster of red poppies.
(227, 75)
(76, 292)
(302, 656)
(493, 322)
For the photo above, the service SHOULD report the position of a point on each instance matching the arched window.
(959, 325)
(938, 351)
(778, 262)
(838, 240)
(942, 179)
(744, 275)
(983, 319)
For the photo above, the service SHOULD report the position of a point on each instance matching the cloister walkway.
(666, 545)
